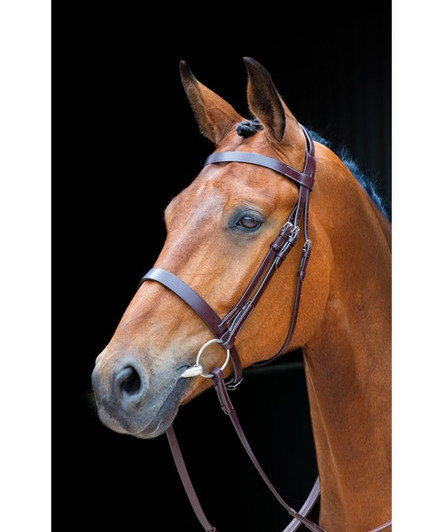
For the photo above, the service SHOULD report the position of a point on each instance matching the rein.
(226, 329)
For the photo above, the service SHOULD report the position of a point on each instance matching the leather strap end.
(222, 392)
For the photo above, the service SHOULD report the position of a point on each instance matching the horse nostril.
(128, 381)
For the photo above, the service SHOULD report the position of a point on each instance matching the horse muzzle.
(131, 400)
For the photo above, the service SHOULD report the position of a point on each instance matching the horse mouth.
(150, 419)
(166, 414)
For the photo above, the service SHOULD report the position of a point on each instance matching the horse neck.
(348, 374)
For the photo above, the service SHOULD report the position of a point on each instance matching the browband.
(305, 179)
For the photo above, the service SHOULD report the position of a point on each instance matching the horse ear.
(264, 101)
(267, 105)
(214, 115)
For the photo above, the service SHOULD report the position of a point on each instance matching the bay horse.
(219, 229)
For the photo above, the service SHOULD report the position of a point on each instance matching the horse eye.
(249, 222)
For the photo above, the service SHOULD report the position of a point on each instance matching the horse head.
(221, 230)
(218, 230)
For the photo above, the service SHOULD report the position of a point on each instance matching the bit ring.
(197, 368)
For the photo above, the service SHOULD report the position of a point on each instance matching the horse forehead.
(231, 184)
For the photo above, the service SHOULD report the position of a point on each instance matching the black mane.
(247, 128)
(364, 181)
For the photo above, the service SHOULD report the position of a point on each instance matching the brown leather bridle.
(227, 329)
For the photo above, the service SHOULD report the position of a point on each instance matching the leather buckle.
(304, 259)
(291, 240)
(229, 336)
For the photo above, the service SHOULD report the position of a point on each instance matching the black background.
(124, 143)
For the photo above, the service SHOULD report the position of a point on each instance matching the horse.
(219, 229)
